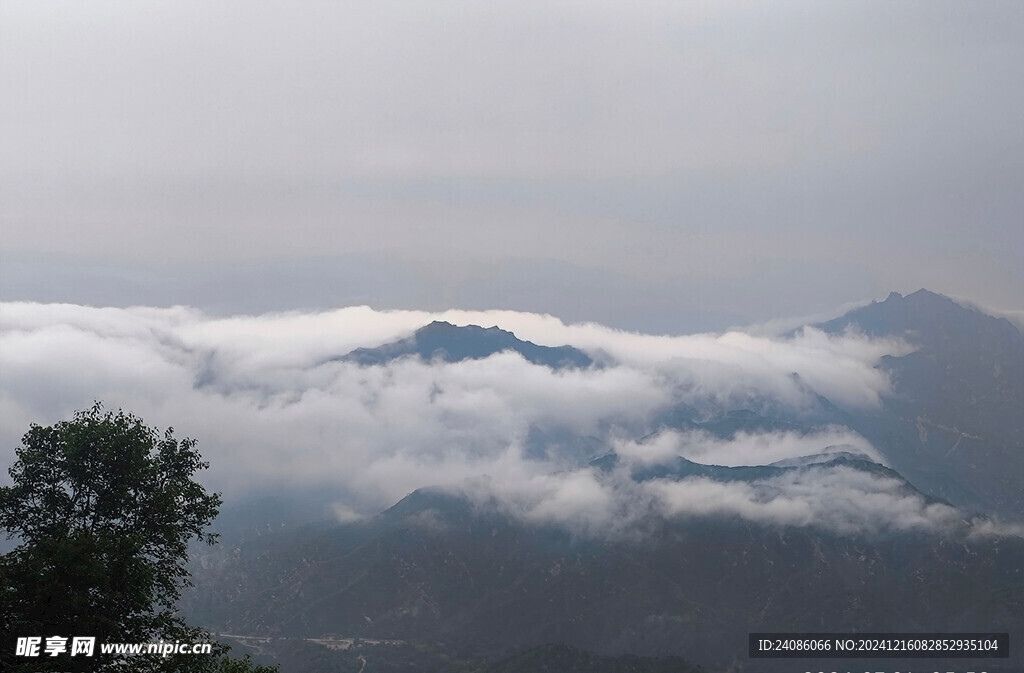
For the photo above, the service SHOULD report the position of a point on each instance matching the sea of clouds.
(274, 408)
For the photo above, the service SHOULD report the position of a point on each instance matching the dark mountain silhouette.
(462, 587)
(451, 343)
(954, 424)
(435, 568)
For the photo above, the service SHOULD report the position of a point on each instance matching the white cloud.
(744, 448)
(272, 406)
(837, 498)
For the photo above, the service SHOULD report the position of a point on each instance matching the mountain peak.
(925, 314)
(453, 343)
(956, 399)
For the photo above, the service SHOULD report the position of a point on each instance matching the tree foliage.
(104, 508)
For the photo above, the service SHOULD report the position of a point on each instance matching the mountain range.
(445, 581)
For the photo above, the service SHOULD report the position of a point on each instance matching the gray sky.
(620, 162)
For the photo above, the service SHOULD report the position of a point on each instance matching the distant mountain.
(954, 424)
(436, 569)
(451, 343)
(680, 468)
(439, 583)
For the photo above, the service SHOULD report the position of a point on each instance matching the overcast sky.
(655, 165)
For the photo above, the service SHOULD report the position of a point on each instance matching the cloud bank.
(273, 410)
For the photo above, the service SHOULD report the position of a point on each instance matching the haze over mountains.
(251, 222)
(470, 493)
(472, 573)
(954, 422)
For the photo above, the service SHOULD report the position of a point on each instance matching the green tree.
(104, 508)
